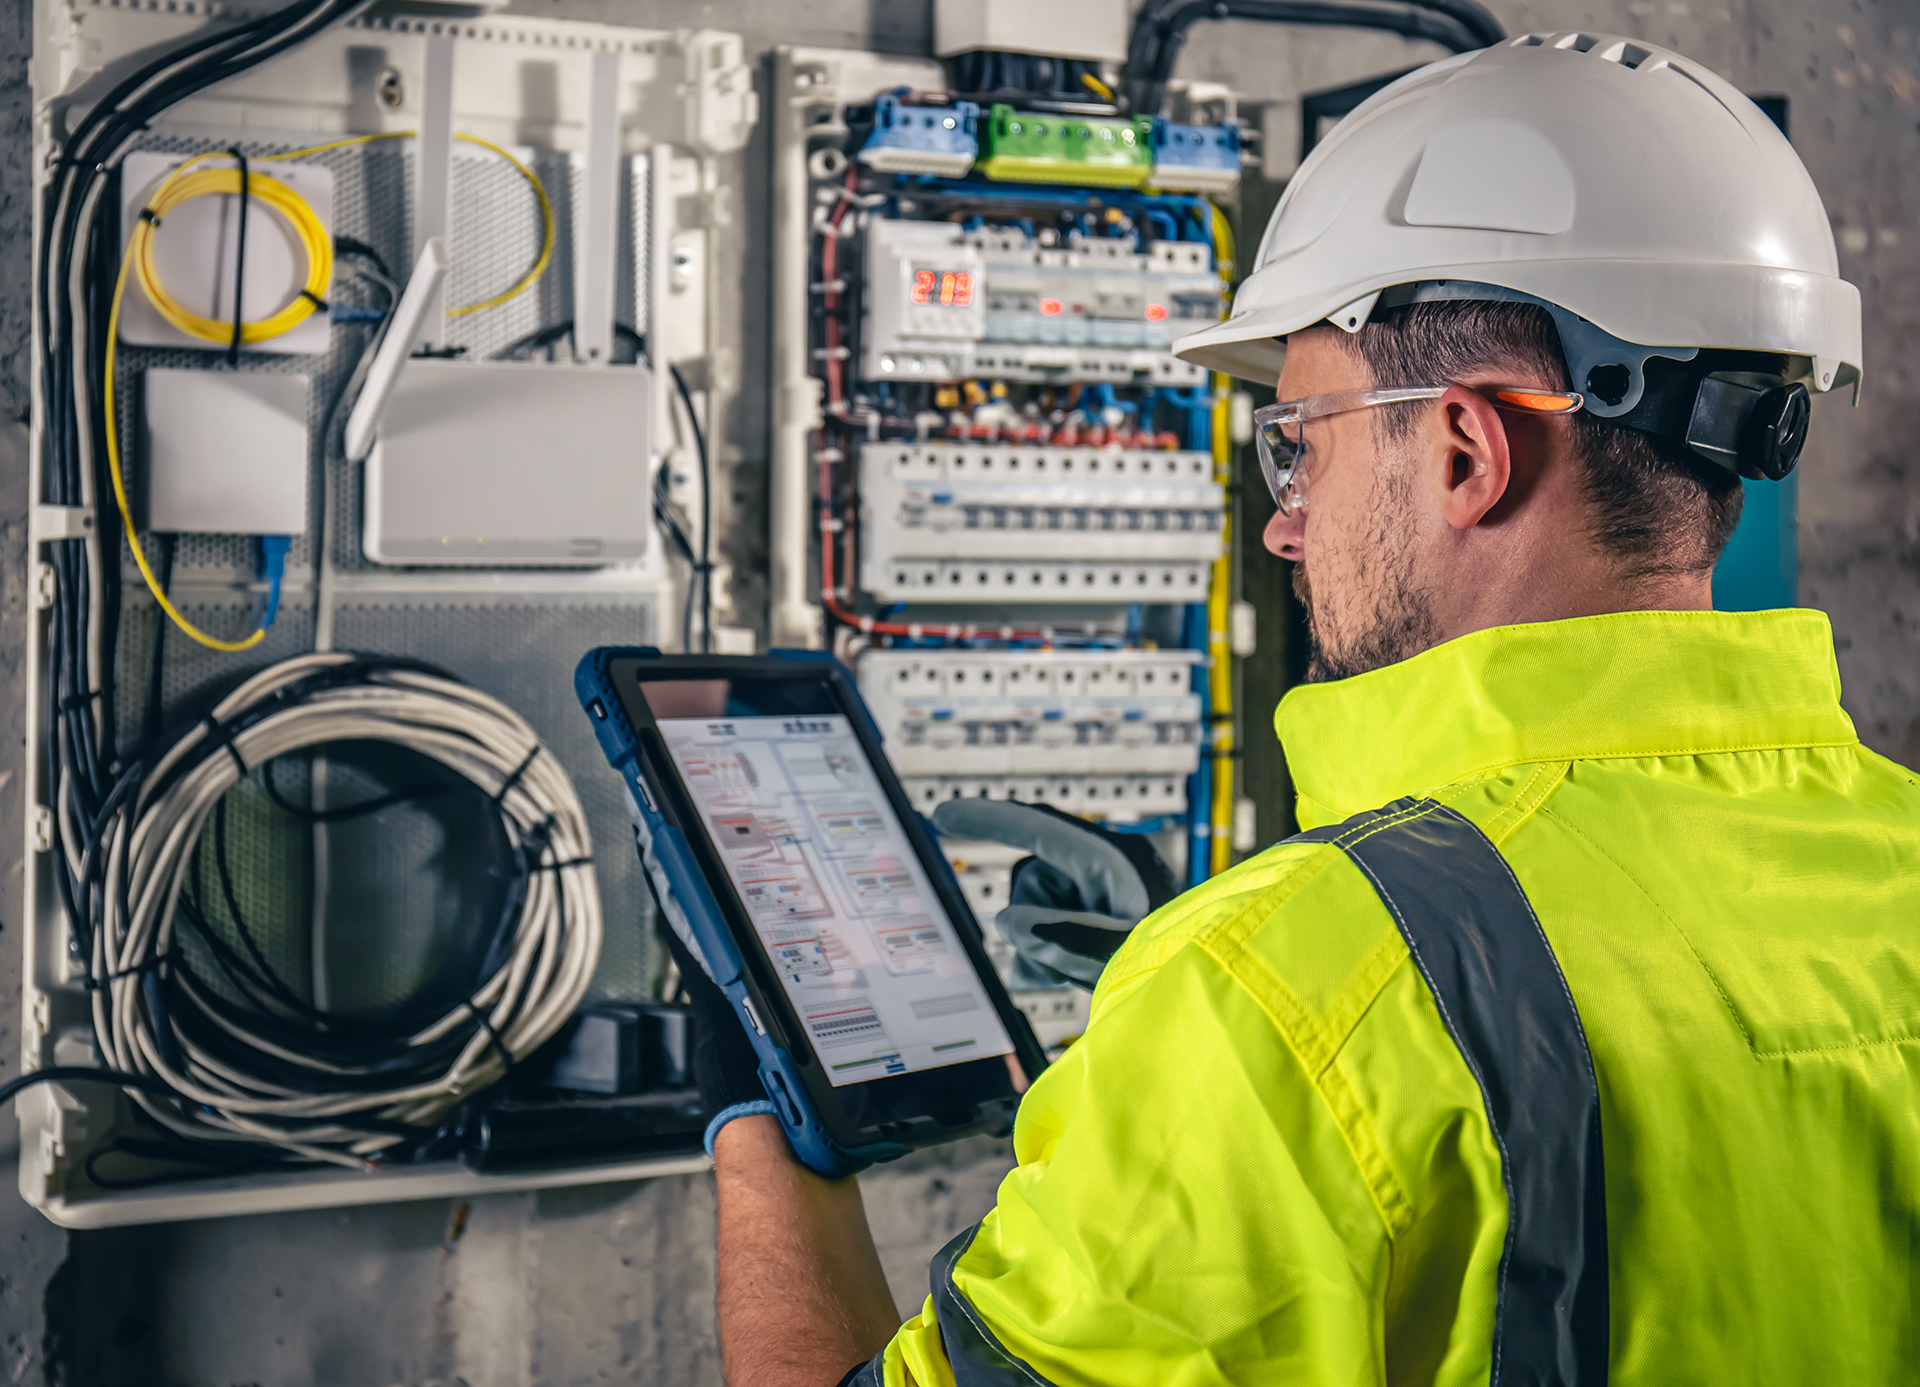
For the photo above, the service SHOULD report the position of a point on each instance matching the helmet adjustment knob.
(1775, 433)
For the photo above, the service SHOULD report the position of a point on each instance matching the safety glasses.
(1279, 430)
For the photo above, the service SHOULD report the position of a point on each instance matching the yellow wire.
(176, 189)
(113, 450)
(1219, 603)
(181, 187)
(541, 261)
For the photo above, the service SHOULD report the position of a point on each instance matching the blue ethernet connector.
(941, 140)
(1196, 158)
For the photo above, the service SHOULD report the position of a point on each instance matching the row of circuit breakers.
(1107, 732)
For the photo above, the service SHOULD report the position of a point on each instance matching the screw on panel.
(44, 587)
(42, 828)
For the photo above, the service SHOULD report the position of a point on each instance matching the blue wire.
(273, 567)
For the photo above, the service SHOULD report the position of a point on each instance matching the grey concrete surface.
(614, 1284)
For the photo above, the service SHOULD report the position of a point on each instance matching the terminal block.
(1034, 717)
(952, 522)
(1047, 147)
(1196, 158)
(938, 140)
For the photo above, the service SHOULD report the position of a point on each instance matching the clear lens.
(1279, 445)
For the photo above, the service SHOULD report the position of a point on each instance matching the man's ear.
(1477, 470)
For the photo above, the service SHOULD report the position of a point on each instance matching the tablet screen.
(836, 893)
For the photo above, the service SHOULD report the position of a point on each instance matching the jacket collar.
(1624, 684)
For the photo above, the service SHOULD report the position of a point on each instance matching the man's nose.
(1286, 535)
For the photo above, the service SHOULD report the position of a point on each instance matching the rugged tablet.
(783, 851)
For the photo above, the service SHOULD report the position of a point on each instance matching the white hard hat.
(1652, 208)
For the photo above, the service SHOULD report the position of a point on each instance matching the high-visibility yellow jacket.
(1268, 1161)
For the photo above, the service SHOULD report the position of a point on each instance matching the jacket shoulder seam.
(1713, 978)
(1546, 778)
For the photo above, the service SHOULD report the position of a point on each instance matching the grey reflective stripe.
(977, 1358)
(1475, 939)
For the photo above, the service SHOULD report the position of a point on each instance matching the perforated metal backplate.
(525, 652)
(402, 898)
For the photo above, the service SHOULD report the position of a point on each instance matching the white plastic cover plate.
(226, 452)
(497, 463)
(194, 251)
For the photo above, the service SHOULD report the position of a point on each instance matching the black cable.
(352, 245)
(700, 581)
(705, 567)
(74, 1073)
(150, 726)
(1160, 29)
(80, 743)
(239, 258)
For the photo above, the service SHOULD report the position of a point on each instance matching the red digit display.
(942, 288)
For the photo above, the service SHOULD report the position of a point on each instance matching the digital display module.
(942, 289)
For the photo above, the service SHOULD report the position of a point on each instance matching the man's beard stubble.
(1401, 622)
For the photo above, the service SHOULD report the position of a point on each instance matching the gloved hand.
(724, 1063)
(1075, 900)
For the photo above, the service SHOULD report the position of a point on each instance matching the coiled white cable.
(154, 1017)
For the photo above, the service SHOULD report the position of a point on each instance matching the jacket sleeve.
(1186, 1211)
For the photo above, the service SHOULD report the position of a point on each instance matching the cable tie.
(562, 866)
(94, 984)
(320, 304)
(148, 215)
(239, 260)
(223, 734)
(499, 797)
(493, 1036)
(73, 703)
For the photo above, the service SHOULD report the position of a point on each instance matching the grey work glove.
(1075, 900)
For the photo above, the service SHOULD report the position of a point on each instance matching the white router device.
(510, 463)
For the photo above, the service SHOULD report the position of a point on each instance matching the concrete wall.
(614, 1284)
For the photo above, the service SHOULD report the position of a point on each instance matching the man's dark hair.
(1657, 508)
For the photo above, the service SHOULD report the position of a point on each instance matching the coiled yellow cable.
(540, 262)
(180, 187)
(134, 248)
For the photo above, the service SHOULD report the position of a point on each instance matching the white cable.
(293, 1099)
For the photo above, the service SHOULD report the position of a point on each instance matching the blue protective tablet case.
(694, 913)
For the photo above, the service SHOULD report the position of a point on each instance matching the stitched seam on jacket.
(1303, 1034)
(1154, 954)
(1679, 933)
(1752, 1046)
(1440, 1003)
(1493, 768)
(991, 1339)
(1524, 805)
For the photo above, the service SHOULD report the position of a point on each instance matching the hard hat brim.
(1761, 308)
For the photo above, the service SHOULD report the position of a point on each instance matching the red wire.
(836, 408)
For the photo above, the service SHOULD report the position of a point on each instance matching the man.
(1577, 1039)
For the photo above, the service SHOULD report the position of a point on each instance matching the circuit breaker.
(949, 522)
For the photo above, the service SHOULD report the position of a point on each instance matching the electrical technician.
(1575, 1041)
